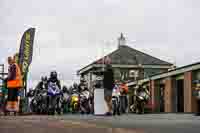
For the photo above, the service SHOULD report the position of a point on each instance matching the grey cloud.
(73, 33)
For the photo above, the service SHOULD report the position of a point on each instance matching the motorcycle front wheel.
(52, 112)
(140, 108)
(114, 105)
(75, 108)
(59, 111)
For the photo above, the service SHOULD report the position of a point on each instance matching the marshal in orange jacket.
(17, 81)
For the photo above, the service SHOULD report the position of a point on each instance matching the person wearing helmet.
(53, 82)
(82, 86)
(65, 89)
(45, 79)
(54, 79)
(70, 89)
(75, 85)
(41, 85)
(65, 99)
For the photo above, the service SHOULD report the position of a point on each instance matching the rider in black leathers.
(82, 86)
(41, 85)
(53, 79)
(75, 87)
(36, 95)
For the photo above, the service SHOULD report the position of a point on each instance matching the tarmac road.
(151, 123)
(49, 124)
(148, 123)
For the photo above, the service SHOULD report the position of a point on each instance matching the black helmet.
(42, 78)
(65, 88)
(82, 80)
(45, 78)
(53, 74)
(75, 85)
(139, 89)
(31, 92)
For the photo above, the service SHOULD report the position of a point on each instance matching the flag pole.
(25, 83)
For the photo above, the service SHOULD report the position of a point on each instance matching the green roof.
(126, 55)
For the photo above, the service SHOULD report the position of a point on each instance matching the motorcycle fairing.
(53, 89)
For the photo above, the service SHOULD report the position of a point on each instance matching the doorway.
(162, 102)
(180, 95)
(198, 106)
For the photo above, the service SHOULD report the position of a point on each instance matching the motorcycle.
(54, 99)
(116, 102)
(91, 102)
(75, 102)
(34, 101)
(3, 102)
(1, 99)
(85, 102)
(38, 103)
(65, 101)
(43, 101)
(141, 100)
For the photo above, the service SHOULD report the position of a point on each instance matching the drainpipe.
(152, 98)
(150, 90)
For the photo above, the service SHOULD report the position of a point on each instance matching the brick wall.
(190, 103)
(168, 94)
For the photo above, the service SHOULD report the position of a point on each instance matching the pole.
(24, 104)
(25, 83)
(103, 59)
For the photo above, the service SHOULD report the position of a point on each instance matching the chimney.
(121, 40)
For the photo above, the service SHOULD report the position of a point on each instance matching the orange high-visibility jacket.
(17, 82)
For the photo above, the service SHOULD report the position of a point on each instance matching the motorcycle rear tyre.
(114, 108)
(59, 111)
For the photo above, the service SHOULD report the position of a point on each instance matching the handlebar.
(1, 78)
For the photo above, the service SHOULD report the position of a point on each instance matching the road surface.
(148, 123)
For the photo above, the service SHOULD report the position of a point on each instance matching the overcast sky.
(72, 33)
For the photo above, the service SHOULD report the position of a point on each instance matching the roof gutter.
(123, 66)
(170, 73)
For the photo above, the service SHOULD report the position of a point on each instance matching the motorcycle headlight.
(34, 102)
(76, 99)
(141, 98)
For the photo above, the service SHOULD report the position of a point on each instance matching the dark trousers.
(12, 101)
(124, 103)
(12, 95)
(198, 108)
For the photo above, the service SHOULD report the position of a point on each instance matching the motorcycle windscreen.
(86, 94)
(66, 96)
(52, 87)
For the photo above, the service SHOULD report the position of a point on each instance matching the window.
(133, 73)
(117, 73)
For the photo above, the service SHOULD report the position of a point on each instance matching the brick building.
(172, 91)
